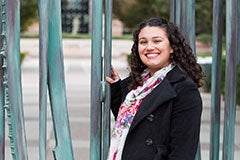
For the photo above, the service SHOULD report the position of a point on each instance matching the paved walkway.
(77, 63)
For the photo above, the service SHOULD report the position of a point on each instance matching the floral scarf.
(129, 108)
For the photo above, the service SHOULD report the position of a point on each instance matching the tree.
(204, 14)
(131, 12)
(28, 13)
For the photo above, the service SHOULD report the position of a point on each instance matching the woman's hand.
(114, 78)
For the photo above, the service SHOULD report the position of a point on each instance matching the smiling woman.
(158, 107)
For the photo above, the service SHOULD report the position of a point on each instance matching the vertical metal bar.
(187, 25)
(107, 72)
(198, 154)
(183, 18)
(230, 80)
(2, 56)
(56, 84)
(238, 32)
(173, 11)
(178, 13)
(216, 78)
(190, 24)
(43, 49)
(2, 115)
(96, 74)
(14, 104)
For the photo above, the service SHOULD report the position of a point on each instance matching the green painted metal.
(107, 72)
(2, 116)
(12, 82)
(216, 78)
(178, 17)
(198, 154)
(183, 15)
(96, 78)
(188, 28)
(176, 12)
(43, 51)
(2, 56)
(56, 84)
(238, 32)
(188, 22)
(172, 10)
(230, 80)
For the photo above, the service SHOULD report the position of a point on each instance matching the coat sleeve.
(116, 97)
(185, 123)
(119, 91)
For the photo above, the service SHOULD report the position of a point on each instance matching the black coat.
(167, 124)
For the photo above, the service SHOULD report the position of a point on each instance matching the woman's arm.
(185, 124)
(119, 89)
(116, 97)
(116, 94)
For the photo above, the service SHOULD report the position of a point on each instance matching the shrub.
(207, 86)
(22, 56)
(28, 13)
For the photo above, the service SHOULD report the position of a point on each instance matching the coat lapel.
(162, 93)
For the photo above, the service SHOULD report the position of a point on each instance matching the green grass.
(204, 54)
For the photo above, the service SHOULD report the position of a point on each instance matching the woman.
(158, 107)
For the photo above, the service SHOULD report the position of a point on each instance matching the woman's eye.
(157, 41)
(142, 42)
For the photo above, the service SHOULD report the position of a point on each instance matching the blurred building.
(75, 16)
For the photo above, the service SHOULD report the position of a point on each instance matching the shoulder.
(179, 79)
(186, 90)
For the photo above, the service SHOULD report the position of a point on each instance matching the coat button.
(150, 117)
(149, 141)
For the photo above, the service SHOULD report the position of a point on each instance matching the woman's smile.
(152, 55)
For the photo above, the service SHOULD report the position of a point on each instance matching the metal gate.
(52, 76)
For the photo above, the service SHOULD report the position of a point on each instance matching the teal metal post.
(43, 11)
(13, 88)
(216, 78)
(176, 12)
(178, 18)
(56, 84)
(2, 115)
(230, 80)
(96, 85)
(188, 22)
(107, 72)
(238, 32)
(173, 10)
(2, 56)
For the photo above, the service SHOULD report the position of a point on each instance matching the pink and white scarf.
(129, 108)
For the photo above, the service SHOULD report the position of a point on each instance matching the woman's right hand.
(114, 78)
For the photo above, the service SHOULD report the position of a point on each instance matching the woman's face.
(154, 48)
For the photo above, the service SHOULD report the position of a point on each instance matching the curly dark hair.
(182, 53)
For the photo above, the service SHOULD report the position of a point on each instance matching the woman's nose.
(150, 46)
